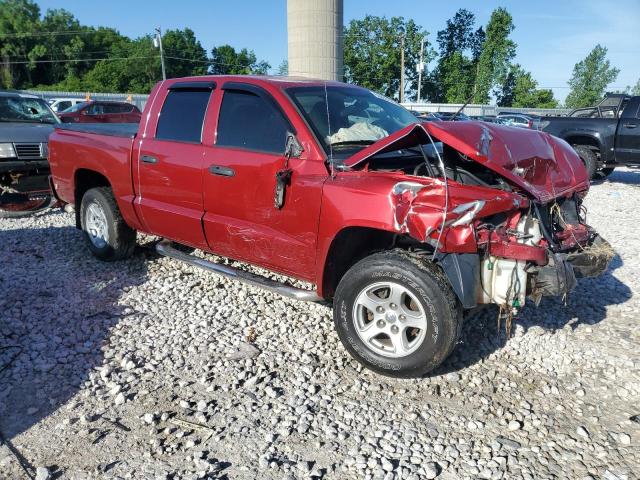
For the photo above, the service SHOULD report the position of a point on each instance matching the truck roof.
(276, 80)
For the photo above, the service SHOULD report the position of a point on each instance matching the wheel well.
(351, 245)
(85, 180)
(587, 141)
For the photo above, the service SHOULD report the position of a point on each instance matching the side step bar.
(164, 248)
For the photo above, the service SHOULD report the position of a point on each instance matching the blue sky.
(551, 35)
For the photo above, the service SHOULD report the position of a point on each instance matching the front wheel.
(106, 233)
(396, 314)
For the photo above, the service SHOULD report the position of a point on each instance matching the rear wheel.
(396, 314)
(589, 158)
(106, 233)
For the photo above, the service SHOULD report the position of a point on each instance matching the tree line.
(473, 63)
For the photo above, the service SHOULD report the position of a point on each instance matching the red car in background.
(101, 112)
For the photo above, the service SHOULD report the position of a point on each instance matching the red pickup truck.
(402, 225)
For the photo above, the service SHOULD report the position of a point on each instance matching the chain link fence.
(476, 109)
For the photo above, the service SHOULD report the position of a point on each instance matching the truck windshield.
(25, 110)
(348, 118)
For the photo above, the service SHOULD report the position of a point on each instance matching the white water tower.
(315, 33)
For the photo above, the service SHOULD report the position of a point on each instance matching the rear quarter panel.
(110, 156)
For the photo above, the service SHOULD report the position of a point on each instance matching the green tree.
(636, 88)
(226, 61)
(459, 46)
(372, 53)
(184, 54)
(19, 20)
(590, 78)
(454, 78)
(283, 68)
(521, 90)
(495, 58)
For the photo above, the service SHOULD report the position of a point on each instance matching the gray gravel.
(152, 369)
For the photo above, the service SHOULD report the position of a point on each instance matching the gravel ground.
(152, 369)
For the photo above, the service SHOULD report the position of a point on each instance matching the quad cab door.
(170, 164)
(241, 218)
(628, 134)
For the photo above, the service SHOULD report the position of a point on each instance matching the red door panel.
(241, 220)
(170, 189)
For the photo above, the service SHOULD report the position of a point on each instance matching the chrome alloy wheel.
(95, 224)
(389, 319)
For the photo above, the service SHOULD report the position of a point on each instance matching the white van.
(59, 105)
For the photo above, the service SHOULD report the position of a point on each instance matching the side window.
(111, 108)
(95, 109)
(250, 122)
(62, 106)
(182, 115)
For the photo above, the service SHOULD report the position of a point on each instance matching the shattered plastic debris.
(244, 351)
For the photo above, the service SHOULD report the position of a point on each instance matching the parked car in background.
(99, 111)
(59, 105)
(520, 120)
(25, 124)
(334, 185)
(488, 118)
(425, 116)
(604, 142)
(449, 116)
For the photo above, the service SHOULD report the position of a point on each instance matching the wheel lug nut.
(381, 323)
(380, 309)
(402, 317)
(392, 306)
(394, 329)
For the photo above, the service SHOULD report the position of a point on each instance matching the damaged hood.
(544, 166)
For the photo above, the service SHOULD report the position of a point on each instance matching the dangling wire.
(326, 102)
(446, 195)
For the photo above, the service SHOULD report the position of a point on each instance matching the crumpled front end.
(513, 248)
(506, 223)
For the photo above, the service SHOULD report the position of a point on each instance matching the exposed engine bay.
(524, 247)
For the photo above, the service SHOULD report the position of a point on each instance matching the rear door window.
(182, 115)
(249, 122)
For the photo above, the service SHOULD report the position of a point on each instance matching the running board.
(164, 248)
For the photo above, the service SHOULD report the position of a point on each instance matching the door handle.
(630, 125)
(222, 171)
(148, 159)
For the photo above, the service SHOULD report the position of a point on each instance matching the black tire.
(121, 239)
(26, 208)
(589, 158)
(422, 281)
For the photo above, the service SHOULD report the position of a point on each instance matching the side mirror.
(292, 147)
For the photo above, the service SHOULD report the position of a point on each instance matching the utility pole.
(402, 68)
(158, 44)
(420, 68)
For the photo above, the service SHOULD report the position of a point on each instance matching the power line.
(24, 62)
(57, 33)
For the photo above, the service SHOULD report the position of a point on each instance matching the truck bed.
(126, 130)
